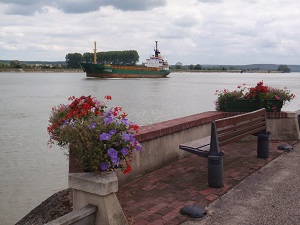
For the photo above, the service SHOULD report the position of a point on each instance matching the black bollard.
(215, 171)
(263, 145)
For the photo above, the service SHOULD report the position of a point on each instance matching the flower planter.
(98, 189)
(240, 105)
(246, 105)
(253, 98)
(273, 105)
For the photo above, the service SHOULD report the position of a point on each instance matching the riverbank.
(30, 70)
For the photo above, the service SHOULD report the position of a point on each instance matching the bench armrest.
(197, 151)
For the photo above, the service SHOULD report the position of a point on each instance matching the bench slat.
(238, 137)
(240, 126)
(242, 131)
(240, 118)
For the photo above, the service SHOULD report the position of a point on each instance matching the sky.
(223, 32)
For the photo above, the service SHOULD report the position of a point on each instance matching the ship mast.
(95, 53)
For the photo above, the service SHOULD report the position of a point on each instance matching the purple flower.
(125, 121)
(108, 120)
(112, 152)
(138, 147)
(115, 159)
(93, 125)
(65, 123)
(113, 155)
(124, 151)
(104, 166)
(104, 137)
(131, 139)
(125, 137)
(112, 132)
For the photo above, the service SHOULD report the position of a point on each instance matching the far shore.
(35, 70)
(27, 70)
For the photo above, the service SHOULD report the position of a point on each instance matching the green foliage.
(88, 57)
(284, 68)
(226, 95)
(198, 67)
(3, 65)
(15, 64)
(73, 60)
(178, 65)
(128, 57)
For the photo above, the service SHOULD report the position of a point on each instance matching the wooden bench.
(225, 131)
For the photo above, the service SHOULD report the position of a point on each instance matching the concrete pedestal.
(99, 190)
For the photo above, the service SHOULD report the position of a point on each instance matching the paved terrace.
(157, 198)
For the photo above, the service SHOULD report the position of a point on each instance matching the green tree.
(178, 65)
(198, 67)
(15, 64)
(73, 60)
(191, 67)
(88, 57)
(284, 68)
(3, 65)
(128, 57)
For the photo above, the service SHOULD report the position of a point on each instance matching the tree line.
(16, 64)
(128, 57)
(191, 67)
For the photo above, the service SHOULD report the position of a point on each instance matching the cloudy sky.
(189, 31)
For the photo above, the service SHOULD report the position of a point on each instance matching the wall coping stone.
(77, 216)
(160, 129)
(102, 183)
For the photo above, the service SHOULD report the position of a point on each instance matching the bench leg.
(215, 171)
(263, 145)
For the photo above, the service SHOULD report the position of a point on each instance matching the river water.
(30, 172)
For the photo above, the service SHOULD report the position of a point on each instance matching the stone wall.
(160, 141)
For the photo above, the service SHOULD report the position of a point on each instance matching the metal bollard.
(263, 145)
(215, 171)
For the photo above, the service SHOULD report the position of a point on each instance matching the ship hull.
(111, 71)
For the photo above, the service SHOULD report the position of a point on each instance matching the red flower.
(128, 168)
(107, 97)
(135, 127)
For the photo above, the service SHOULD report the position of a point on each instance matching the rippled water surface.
(30, 172)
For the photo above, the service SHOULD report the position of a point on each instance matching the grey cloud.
(266, 43)
(18, 2)
(28, 7)
(93, 5)
(210, 1)
(22, 9)
(135, 5)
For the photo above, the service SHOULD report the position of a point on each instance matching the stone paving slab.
(157, 197)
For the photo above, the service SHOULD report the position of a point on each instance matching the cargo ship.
(154, 67)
